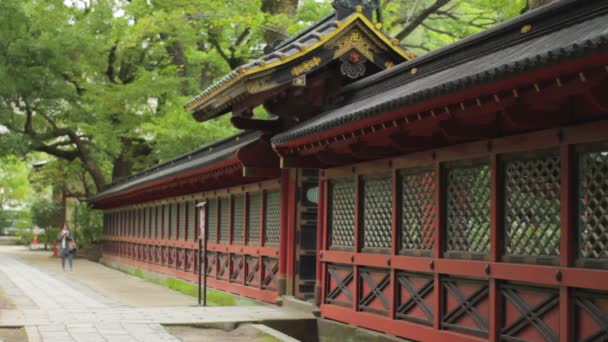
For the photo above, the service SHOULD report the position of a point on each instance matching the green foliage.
(190, 289)
(99, 84)
(214, 298)
(46, 214)
(14, 184)
(449, 23)
(89, 222)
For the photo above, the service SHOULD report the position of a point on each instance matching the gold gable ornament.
(299, 81)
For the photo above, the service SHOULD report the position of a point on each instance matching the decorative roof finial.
(344, 8)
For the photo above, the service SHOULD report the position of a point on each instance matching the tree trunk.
(273, 7)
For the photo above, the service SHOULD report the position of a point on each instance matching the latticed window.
(377, 212)
(418, 210)
(468, 209)
(253, 218)
(147, 221)
(532, 205)
(225, 220)
(212, 219)
(181, 223)
(237, 219)
(272, 220)
(342, 214)
(166, 220)
(159, 220)
(593, 204)
(173, 222)
(191, 221)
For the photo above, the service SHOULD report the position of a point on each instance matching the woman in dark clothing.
(65, 237)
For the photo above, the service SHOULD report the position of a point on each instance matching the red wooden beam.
(303, 162)
(259, 172)
(333, 158)
(408, 143)
(362, 151)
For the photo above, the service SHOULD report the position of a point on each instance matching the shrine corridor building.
(461, 195)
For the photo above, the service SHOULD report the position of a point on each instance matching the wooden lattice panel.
(340, 285)
(415, 299)
(225, 220)
(159, 221)
(181, 220)
(253, 218)
(593, 205)
(377, 212)
(166, 220)
(191, 221)
(272, 219)
(468, 210)
(529, 313)
(212, 220)
(174, 221)
(418, 211)
(342, 214)
(237, 219)
(532, 205)
(374, 290)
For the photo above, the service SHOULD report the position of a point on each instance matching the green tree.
(14, 183)
(46, 215)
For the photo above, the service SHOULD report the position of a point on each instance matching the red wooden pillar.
(496, 238)
(292, 205)
(438, 246)
(358, 234)
(229, 242)
(567, 247)
(244, 242)
(284, 230)
(395, 240)
(261, 238)
(321, 208)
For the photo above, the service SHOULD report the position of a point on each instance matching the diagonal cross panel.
(375, 290)
(467, 305)
(416, 297)
(271, 267)
(237, 267)
(341, 286)
(594, 306)
(253, 267)
(530, 316)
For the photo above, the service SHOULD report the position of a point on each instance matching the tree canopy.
(99, 85)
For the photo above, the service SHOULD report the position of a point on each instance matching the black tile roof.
(563, 30)
(206, 155)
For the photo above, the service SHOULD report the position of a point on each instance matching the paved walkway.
(54, 308)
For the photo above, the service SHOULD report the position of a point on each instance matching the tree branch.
(409, 28)
(110, 71)
(450, 34)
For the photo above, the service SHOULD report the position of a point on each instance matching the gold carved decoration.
(355, 39)
(306, 66)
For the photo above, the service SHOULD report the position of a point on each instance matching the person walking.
(67, 240)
